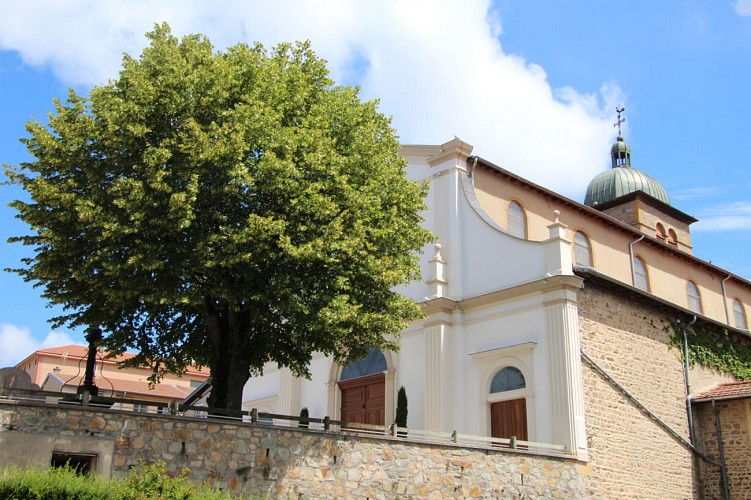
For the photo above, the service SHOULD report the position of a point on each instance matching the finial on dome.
(619, 110)
(620, 153)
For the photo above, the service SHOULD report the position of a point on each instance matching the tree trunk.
(230, 362)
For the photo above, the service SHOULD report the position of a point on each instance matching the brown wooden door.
(364, 399)
(509, 418)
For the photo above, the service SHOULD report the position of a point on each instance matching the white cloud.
(743, 7)
(730, 217)
(16, 342)
(695, 193)
(437, 66)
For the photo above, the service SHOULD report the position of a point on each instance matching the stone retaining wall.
(281, 462)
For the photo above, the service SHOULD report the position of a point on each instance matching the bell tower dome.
(636, 198)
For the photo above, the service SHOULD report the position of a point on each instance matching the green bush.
(52, 484)
(63, 483)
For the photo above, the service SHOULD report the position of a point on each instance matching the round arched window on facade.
(374, 362)
(507, 379)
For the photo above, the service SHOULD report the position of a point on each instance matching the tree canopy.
(227, 208)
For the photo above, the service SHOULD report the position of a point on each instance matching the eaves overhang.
(649, 200)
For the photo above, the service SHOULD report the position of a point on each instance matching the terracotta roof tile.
(79, 351)
(133, 388)
(730, 390)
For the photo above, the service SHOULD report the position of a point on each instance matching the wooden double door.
(364, 399)
(509, 418)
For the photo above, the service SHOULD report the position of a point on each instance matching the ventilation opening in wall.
(80, 462)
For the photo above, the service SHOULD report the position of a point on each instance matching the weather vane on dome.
(619, 110)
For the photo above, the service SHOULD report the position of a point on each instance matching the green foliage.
(145, 482)
(231, 208)
(401, 407)
(715, 350)
(56, 483)
(153, 481)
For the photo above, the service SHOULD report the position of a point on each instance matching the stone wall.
(287, 463)
(631, 456)
(735, 420)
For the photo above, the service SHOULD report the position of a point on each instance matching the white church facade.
(545, 319)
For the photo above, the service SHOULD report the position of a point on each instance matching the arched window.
(672, 237)
(641, 279)
(740, 315)
(661, 233)
(507, 379)
(694, 299)
(374, 362)
(582, 250)
(517, 220)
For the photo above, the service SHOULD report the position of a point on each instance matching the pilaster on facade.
(289, 393)
(567, 394)
(438, 391)
(389, 409)
(333, 400)
(446, 194)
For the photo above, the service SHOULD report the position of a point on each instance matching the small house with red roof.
(62, 369)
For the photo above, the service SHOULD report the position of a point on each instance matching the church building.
(554, 321)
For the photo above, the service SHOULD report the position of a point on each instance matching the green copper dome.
(622, 179)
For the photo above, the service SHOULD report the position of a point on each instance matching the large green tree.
(228, 208)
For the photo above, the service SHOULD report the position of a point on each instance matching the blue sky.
(532, 84)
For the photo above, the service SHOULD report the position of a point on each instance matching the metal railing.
(254, 417)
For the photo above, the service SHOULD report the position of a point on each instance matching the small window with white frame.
(641, 278)
(517, 220)
(694, 299)
(582, 250)
(740, 315)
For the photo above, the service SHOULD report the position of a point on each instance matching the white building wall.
(410, 373)
(493, 292)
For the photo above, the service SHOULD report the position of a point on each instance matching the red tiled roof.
(79, 351)
(133, 388)
(730, 390)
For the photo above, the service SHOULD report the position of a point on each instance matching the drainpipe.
(631, 253)
(687, 383)
(725, 299)
(721, 449)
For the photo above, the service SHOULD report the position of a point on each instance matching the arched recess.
(661, 233)
(363, 378)
(672, 237)
(517, 361)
